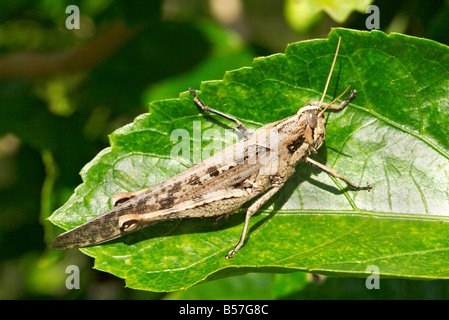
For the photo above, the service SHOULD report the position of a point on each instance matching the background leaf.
(302, 14)
(392, 135)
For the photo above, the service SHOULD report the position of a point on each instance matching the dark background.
(63, 91)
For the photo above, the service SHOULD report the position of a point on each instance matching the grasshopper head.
(313, 125)
(312, 121)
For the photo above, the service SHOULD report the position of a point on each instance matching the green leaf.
(301, 14)
(393, 135)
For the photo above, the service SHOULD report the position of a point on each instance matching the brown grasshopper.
(221, 184)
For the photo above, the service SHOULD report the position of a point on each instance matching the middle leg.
(251, 211)
(240, 126)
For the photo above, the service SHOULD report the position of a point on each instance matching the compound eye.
(311, 119)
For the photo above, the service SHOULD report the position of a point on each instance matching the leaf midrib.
(358, 212)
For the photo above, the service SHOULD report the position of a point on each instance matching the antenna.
(330, 73)
(329, 104)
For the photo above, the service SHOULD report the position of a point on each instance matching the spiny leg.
(335, 174)
(212, 204)
(122, 197)
(240, 126)
(250, 212)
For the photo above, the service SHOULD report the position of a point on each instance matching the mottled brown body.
(232, 174)
(256, 166)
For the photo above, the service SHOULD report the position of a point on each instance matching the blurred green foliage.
(53, 122)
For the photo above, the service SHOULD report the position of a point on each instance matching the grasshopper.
(222, 183)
